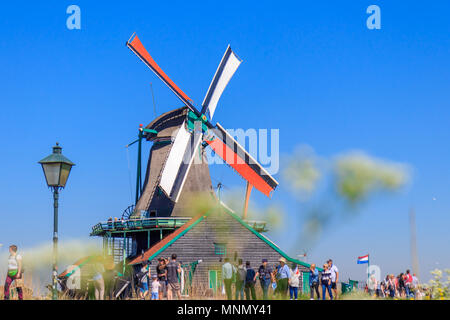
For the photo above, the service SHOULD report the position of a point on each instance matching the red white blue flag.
(363, 259)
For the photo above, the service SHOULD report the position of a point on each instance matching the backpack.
(250, 275)
(241, 274)
(140, 276)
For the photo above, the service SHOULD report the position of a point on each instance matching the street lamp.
(56, 170)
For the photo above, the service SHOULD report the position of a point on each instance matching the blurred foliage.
(358, 175)
(301, 172)
(439, 286)
(346, 181)
(273, 214)
(199, 203)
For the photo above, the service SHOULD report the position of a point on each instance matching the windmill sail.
(138, 48)
(227, 67)
(240, 160)
(175, 159)
(179, 162)
(188, 158)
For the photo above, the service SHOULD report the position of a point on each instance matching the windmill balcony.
(260, 226)
(138, 224)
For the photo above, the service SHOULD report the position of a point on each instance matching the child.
(155, 287)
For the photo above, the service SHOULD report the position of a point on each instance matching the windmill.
(196, 129)
(162, 219)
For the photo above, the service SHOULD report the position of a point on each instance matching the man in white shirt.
(334, 277)
(227, 275)
(14, 271)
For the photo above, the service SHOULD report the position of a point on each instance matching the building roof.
(71, 269)
(167, 240)
(174, 236)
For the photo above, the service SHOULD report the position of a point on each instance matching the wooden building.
(211, 237)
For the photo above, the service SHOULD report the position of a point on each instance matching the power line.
(414, 256)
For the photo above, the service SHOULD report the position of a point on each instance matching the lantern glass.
(52, 171)
(64, 175)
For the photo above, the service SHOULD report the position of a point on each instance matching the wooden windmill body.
(153, 200)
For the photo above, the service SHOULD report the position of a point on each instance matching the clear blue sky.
(313, 70)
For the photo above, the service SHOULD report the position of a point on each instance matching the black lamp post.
(56, 170)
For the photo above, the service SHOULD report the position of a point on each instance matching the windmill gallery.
(165, 217)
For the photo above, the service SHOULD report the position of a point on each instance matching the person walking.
(313, 281)
(144, 277)
(283, 275)
(372, 285)
(14, 272)
(250, 280)
(408, 284)
(294, 282)
(391, 286)
(227, 275)
(156, 285)
(173, 275)
(161, 272)
(99, 283)
(401, 285)
(381, 289)
(274, 280)
(265, 278)
(241, 273)
(326, 282)
(386, 285)
(334, 277)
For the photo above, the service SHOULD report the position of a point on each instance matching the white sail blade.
(190, 153)
(175, 159)
(227, 67)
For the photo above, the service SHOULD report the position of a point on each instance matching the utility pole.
(414, 256)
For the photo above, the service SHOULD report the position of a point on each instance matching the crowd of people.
(329, 278)
(405, 285)
(278, 281)
(164, 283)
(281, 280)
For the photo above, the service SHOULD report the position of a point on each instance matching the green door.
(213, 280)
(305, 282)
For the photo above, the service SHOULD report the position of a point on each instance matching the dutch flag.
(363, 259)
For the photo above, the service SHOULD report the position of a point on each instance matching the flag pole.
(368, 270)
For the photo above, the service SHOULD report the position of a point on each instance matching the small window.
(152, 213)
(220, 249)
